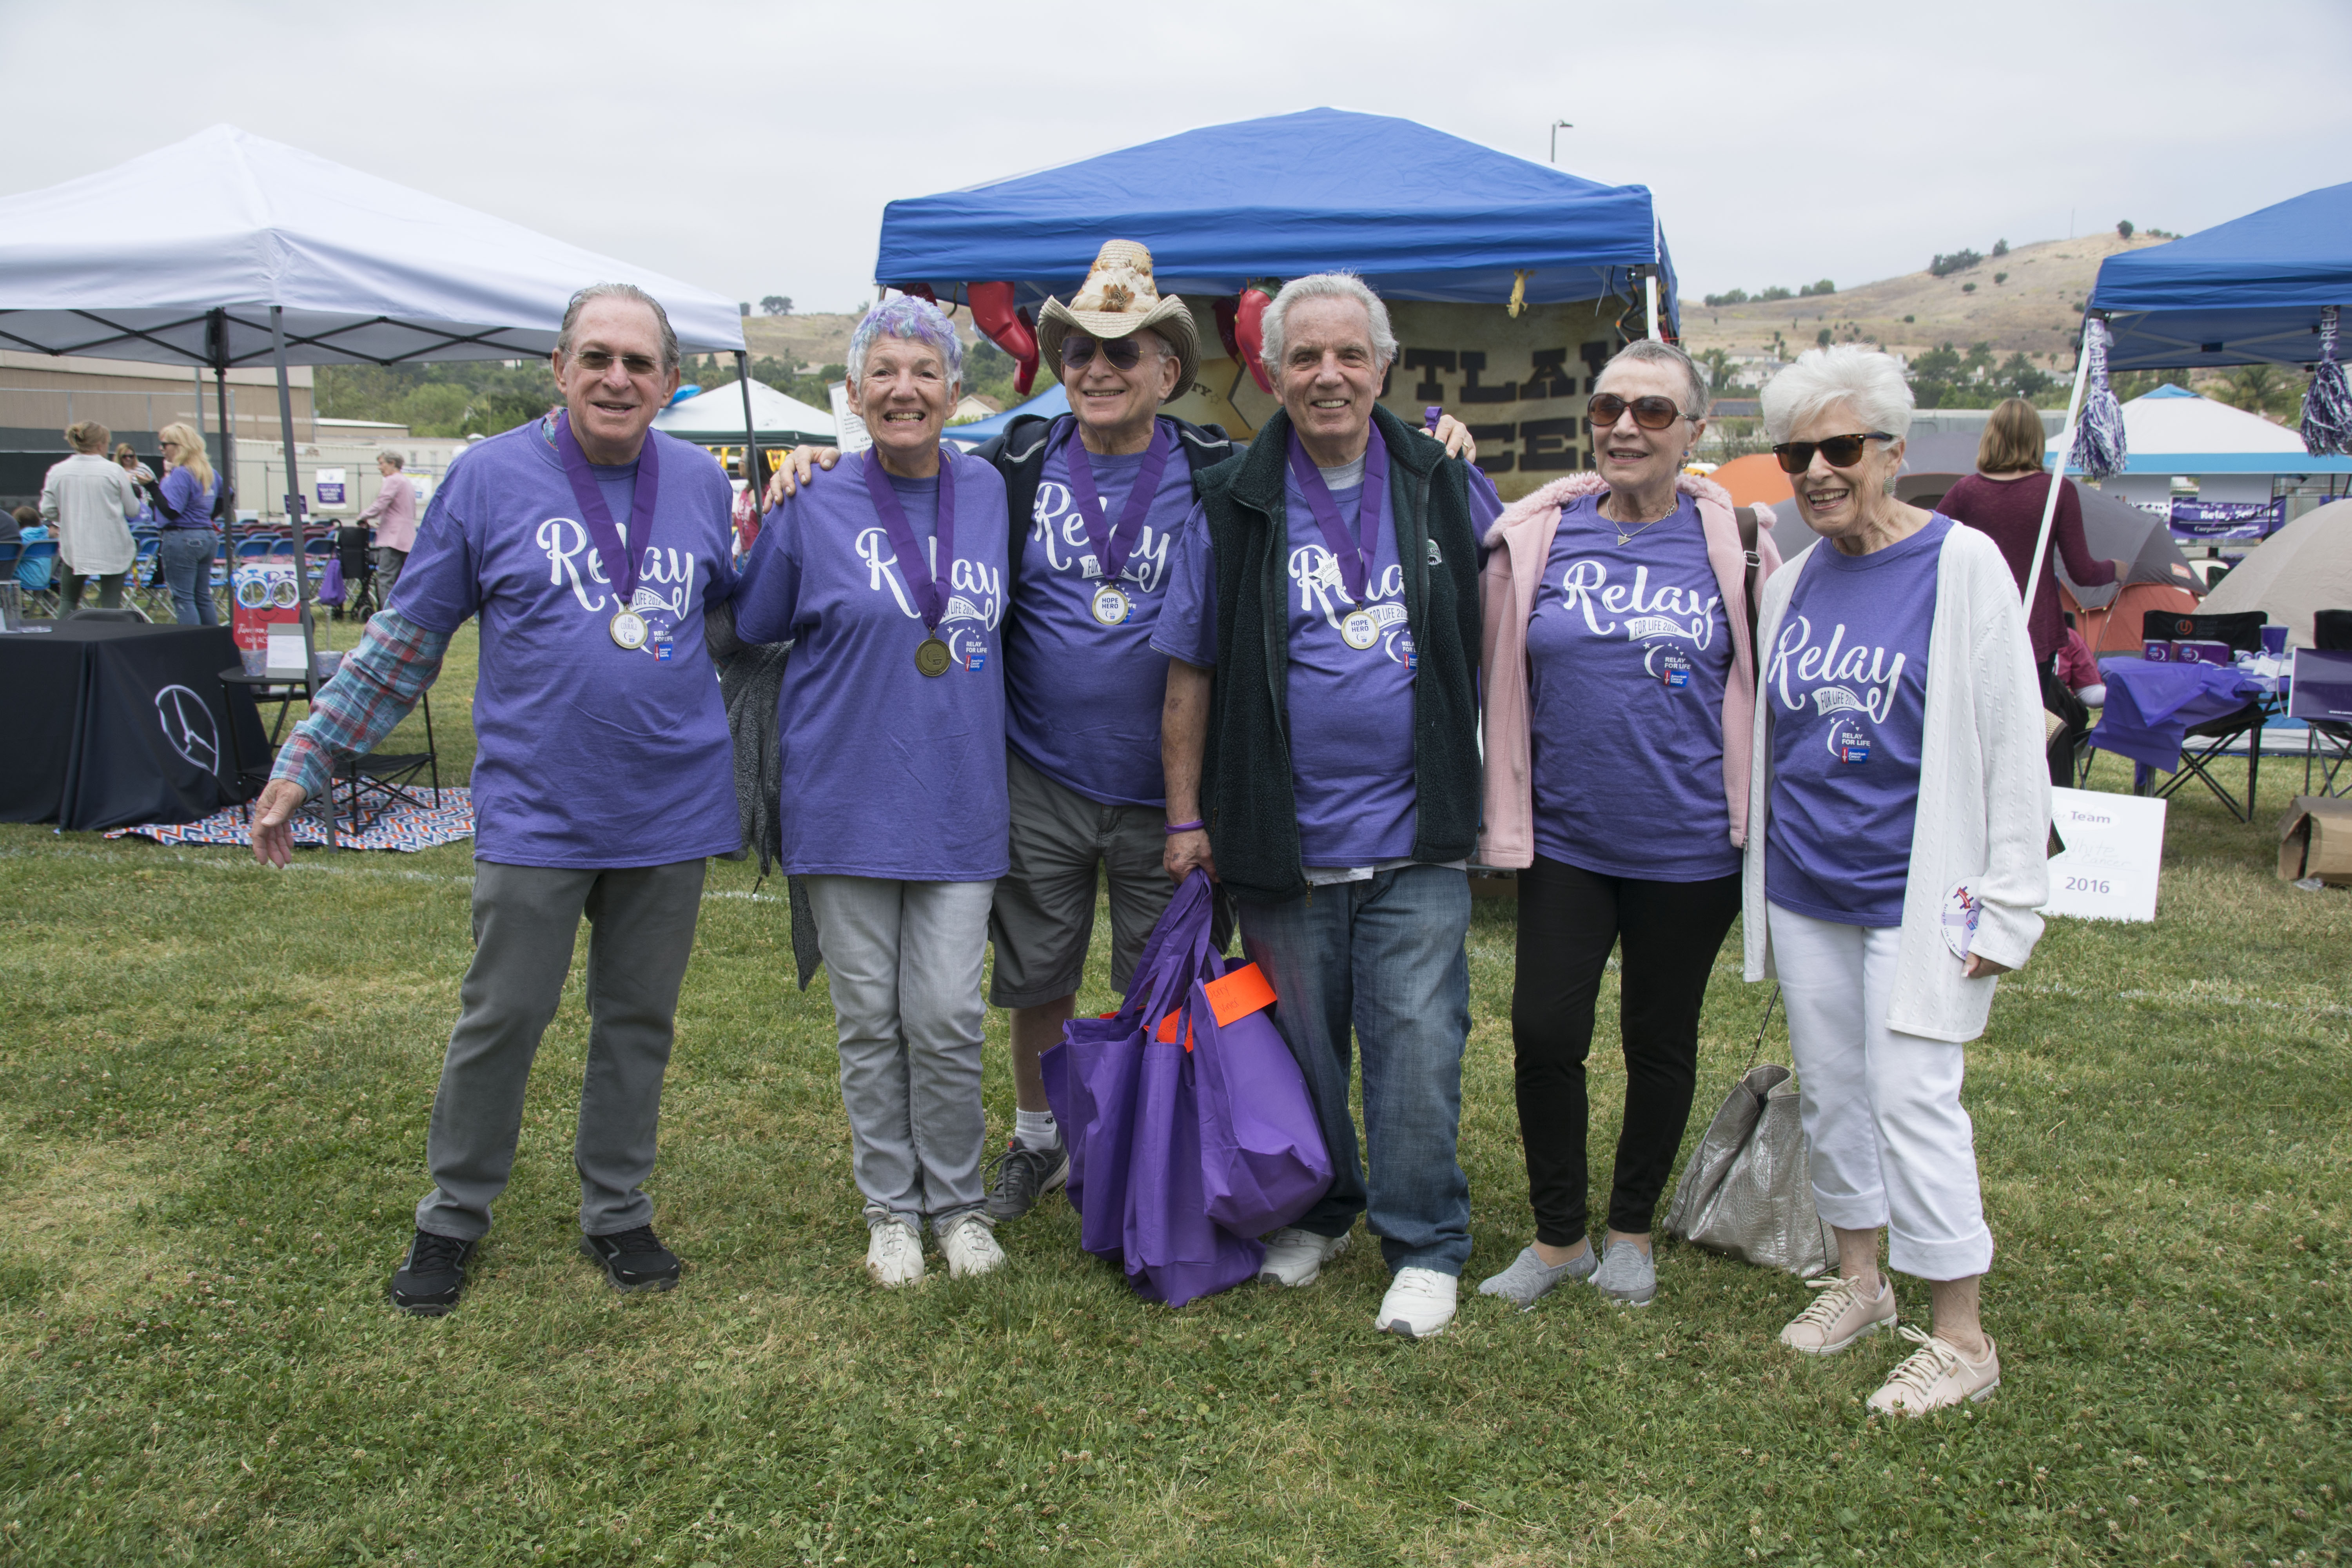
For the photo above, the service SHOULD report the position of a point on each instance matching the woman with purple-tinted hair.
(890, 588)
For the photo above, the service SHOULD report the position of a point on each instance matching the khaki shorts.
(1043, 917)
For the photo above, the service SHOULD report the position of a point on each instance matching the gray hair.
(1872, 382)
(1654, 351)
(619, 292)
(1328, 286)
(394, 458)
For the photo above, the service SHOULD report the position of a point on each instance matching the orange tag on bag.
(1231, 999)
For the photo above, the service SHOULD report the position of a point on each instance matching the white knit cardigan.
(1983, 815)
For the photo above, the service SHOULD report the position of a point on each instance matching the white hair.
(1872, 382)
(631, 292)
(1328, 286)
(1654, 351)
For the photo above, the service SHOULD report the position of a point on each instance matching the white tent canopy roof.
(720, 411)
(2174, 430)
(367, 271)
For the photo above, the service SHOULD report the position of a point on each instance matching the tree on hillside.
(2125, 228)
(1958, 261)
(1774, 292)
(777, 305)
(1736, 296)
(1719, 370)
(2001, 247)
(2262, 389)
(1811, 290)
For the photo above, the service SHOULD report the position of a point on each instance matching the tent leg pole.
(300, 533)
(750, 427)
(1649, 301)
(2066, 452)
(216, 343)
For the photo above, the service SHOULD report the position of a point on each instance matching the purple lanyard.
(1355, 555)
(929, 597)
(1112, 548)
(620, 558)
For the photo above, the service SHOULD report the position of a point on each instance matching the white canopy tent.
(227, 249)
(2233, 455)
(717, 415)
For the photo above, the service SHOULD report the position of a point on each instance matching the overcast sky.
(749, 147)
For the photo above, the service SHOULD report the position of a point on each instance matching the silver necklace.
(1625, 536)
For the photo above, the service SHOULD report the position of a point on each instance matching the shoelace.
(1837, 1294)
(1933, 1359)
(1028, 1165)
(434, 1254)
(641, 1239)
(1421, 1285)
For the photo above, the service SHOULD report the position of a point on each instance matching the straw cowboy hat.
(1117, 299)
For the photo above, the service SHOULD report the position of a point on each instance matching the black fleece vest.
(1246, 789)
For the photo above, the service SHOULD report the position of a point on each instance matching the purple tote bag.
(1263, 1160)
(1175, 1253)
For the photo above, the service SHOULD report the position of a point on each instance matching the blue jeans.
(187, 556)
(1386, 956)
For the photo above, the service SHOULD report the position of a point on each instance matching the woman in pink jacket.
(1620, 701)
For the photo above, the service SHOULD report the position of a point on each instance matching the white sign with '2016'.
(2114, 849)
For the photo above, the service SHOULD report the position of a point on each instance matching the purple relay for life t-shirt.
(590, 755)
(888, 771)
(1083, 698)
(1845, 686)
(1629, 651)
(1350, 710)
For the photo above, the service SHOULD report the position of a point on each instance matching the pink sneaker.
(1838, 1317)
(1936, 1376)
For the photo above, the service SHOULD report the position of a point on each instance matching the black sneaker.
(633, 1260)
(429, 1278)
(1017, 1177)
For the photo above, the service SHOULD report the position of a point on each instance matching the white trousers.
(1891, 1145)
(903, 960)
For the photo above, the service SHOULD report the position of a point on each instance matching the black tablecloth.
(115, 722)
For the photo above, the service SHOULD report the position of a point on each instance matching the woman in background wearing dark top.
(2004, 498)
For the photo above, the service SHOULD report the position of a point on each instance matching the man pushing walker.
(589, 547)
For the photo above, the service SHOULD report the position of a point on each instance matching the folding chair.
(2242, 631)
(2328, 742)
(36, 572)
(12, 602)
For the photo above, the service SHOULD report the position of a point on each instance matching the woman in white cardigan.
(1903, 805)
(89, 500)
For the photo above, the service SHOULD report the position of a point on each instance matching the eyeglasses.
(1650, 413)
(1078, 352)
(596, 362)
(1842, 451)
(171, 446)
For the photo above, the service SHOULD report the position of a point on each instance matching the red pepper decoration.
(1011, 330)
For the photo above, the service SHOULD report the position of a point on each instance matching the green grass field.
(215, 1081)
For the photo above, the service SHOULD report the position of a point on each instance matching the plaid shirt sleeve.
(379, 682)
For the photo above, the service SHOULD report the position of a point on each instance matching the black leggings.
(109, 591)
(1568, 920)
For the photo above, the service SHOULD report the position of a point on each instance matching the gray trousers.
(526, 919)
(904, 961)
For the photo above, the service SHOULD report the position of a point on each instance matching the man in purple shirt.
(587, 547)
(1321, 730)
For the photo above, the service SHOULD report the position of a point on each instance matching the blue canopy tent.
(1044, 405)
(2249, 291)
(1420, 213)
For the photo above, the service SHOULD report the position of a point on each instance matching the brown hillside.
(818, 340)
(2035, 311)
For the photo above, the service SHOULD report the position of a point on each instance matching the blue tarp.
(2243, 292)
(1420, 213)
(1051, 401)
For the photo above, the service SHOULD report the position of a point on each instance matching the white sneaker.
(1936, 1376)
(894, 1254)
(1419, 1303)
(1296, 1257)
(972, 1248)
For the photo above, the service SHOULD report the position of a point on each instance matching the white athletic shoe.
(1295, 1256)
(894, 1254)
(1419, 1303)
(972, 1248)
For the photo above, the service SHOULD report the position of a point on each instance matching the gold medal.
(931, 657)
(1111, 606)
(1358, 630)
(629, 630)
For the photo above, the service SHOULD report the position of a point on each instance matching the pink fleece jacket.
(1518, 546)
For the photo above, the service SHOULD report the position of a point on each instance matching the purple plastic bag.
(1262, 1159)
(1174, 1252)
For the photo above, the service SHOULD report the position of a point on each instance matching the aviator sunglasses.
(1842, 451)
(1079, 351)
(1650, 413)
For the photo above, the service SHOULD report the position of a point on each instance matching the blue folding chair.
(37, 576)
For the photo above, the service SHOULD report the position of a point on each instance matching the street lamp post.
(1556, 127)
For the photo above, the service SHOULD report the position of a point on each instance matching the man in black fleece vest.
(1322, 734)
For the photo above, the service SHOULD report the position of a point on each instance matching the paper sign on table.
(2115, 850)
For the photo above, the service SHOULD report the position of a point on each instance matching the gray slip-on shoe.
(1529, 1278)
(1627, 1275)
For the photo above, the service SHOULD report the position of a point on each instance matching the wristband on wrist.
(1175, 827)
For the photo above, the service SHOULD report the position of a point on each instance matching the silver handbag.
(1748, 1189)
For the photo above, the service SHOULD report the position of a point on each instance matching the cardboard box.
(2156, 651)
(2203, 653)
(2315, 840)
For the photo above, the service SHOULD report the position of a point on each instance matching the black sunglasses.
(1078, 352)
(596, 362)
(1650, 413)
(1842, 451)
